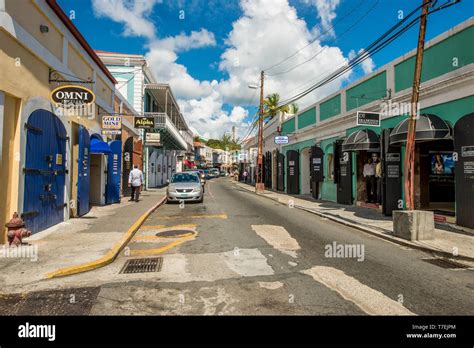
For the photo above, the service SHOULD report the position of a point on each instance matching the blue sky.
(221, 29)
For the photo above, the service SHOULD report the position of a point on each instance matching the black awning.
(365, 139)
(428, 127)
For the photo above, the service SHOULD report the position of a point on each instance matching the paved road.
(238, 253)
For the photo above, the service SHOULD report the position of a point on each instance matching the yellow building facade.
(40, 50)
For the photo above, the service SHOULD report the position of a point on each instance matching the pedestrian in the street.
(246, 174)
(135, 181)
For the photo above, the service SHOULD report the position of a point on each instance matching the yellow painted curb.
(111, 254)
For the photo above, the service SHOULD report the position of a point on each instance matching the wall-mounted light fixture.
(44, 28)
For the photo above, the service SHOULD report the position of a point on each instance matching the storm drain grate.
(448, 264)
(152, 264)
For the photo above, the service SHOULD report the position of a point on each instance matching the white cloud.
(132, 13)
(367, 65)
(267, 32)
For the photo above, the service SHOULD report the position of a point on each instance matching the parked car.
(215, 172)
(200, 173)
(185, 187)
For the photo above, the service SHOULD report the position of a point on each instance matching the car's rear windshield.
(185, 177)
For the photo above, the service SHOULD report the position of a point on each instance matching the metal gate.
(83, 177)
(464, 170)
(316, 166)
(343, 162)
(44, 171)
(127, 165)
(114, 169)
(391, 176)
(293, 171)
(280, 171)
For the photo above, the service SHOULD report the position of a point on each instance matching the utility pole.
(409, 172)
(259, 186)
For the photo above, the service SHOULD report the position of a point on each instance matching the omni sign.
(72, 95)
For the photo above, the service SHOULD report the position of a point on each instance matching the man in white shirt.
(369, 175)
(135, 181)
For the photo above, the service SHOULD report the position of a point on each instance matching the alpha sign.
(365, 118)
(144, 122)
(72, 95)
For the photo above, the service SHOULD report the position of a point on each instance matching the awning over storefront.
(98, 146)
(365, 139)
(428, 127)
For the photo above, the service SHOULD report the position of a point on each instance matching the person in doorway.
(245, 174)
(135, 181)
(369, 175)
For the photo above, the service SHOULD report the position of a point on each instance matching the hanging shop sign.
(72, 96)
(144, 122)
(371, 119)
(111, 124)
(153, 139)
(281, 139)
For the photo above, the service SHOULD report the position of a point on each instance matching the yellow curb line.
(152, 227)
(111, 255)
(146, 252)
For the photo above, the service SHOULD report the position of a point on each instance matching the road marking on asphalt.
(371, 301)
(270, 285)
(147, 252)
(154, 238)
(278, 237)
(210, 216)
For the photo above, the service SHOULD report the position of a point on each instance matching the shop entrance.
(436, 176)
(305, 171)
(268, 169)
(292, 172)
(280, 171)
(368, 178)
(114, 168)
(464, 147)
(343, 174)
(316, 169)
(45, 171)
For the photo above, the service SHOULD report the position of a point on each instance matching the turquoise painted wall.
(307, 118)
(330, 108)
(328, 187)
(438, 59)
(367, 91)
(288, 127)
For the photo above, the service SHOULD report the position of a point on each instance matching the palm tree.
(294, 108)
(271, 107)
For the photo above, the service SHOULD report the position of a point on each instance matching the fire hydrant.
(16, 230)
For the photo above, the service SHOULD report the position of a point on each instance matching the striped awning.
(364, 139)
(428, 127)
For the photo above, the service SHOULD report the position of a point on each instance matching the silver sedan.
(185, 187)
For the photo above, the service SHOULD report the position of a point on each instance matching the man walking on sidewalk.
(135, 180)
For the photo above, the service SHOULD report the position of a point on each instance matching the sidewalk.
(79, 244)
(375, 223)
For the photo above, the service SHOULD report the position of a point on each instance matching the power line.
(333, 41)
(373, 48)
(316, 38)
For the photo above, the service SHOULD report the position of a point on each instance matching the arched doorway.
(305, 171)
(44, 170)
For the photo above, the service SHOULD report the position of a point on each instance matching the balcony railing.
(162, 121)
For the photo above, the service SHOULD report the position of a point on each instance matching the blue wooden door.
(45, 172)
(114, 172)
(83, 180)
